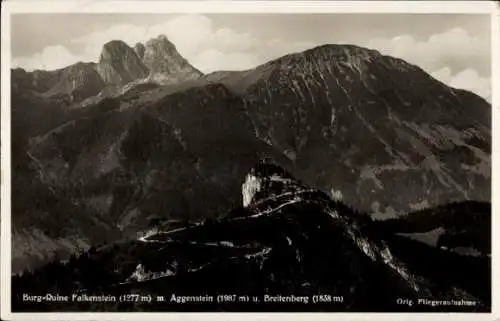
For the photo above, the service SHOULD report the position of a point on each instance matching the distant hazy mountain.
(144, 134)
(119, 64)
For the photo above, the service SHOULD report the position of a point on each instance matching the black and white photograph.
(249, 161)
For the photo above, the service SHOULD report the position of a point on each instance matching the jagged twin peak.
(157, 60)
(119, 65)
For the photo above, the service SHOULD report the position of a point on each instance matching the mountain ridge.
(285, 238)
(139, 49)
(117, 65)
(381, 134)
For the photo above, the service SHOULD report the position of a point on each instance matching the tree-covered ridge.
(297, 249)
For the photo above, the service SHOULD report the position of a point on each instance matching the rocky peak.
(161, 46)
(119, 64)
(113, 50)
(165, 63)
(266, 180)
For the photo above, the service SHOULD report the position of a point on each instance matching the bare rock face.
(265, 181)
(249, 188)
(119, 64)
(139, 50)
(165, 63)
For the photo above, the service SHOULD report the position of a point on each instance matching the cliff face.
(119, 64)
(165, 64)
(139, 50)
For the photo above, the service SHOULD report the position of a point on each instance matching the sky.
(454, 48)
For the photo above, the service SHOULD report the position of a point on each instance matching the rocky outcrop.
(249, 189)
(139, 50)
(119, 64)
(165, 64)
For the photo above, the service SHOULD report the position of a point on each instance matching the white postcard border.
(17, 7)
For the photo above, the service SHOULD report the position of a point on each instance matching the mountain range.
(100, 150)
